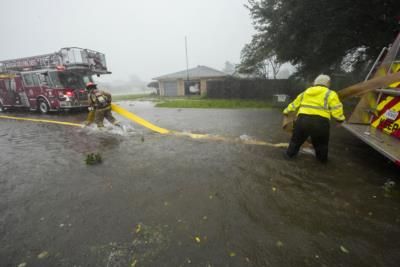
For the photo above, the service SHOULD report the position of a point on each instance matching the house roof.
(194, 73)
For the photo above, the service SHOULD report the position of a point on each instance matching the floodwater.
(172, 201)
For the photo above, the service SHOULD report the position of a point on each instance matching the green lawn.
(212, 103)
(129, 97)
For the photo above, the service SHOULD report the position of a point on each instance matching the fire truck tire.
(43, 107)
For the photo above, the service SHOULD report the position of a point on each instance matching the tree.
(274, 64)
(317, 36)
(256, 59)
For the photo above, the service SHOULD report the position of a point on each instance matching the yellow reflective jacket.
(317, 100)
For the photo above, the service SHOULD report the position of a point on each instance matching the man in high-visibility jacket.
(314, 107)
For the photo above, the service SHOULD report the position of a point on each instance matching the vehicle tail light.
(68, 92)
(62, 95)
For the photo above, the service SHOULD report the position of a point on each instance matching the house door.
(171, 88)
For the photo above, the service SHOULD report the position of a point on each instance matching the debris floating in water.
(43, 255)
(198, 240)
(389, 185)
(93, 159)
(245, 137)
(344, 250)
(138, 228)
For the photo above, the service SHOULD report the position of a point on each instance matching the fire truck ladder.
(68, 58)
(31, 63)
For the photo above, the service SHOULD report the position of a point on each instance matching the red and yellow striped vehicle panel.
(387, 118)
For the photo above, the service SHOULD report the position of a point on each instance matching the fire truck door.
(10, 92)
(20, 91)
(4, 92)
(32, 89)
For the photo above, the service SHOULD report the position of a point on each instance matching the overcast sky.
(145, 38)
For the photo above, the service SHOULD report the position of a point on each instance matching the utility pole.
(187, 60)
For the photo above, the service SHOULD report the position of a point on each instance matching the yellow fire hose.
(43, 121)
(123, 112)
(138, 120)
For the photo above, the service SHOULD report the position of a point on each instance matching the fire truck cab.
(51, 82)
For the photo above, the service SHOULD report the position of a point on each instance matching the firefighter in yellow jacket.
(99, 106)
(314, 107)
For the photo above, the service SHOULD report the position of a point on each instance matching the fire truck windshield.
(67, 79)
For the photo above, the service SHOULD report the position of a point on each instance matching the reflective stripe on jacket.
(317, 100)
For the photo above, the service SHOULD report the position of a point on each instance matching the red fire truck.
(50, 82)
(376, 118)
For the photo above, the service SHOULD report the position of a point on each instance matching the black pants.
(315, 127)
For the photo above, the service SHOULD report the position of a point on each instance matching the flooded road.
(171, 201)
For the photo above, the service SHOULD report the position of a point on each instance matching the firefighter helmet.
(91, 85)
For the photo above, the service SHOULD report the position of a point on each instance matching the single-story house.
(188, 82)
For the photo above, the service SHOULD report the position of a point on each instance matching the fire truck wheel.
(43, 106)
